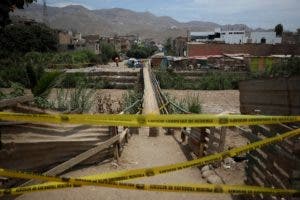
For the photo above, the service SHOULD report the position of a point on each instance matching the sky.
(254, 13)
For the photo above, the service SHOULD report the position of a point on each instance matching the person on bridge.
(117, 61)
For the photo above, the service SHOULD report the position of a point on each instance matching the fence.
(275, 165)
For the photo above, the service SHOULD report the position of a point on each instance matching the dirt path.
(142, 151)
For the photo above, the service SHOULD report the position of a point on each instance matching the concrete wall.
(196, 49)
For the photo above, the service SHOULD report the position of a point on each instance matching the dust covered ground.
(142, 151)
(212, 101)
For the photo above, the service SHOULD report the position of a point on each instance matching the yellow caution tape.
(189, 120)
(147, 172)
(191, 188)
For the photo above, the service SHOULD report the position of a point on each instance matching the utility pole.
(45, 13)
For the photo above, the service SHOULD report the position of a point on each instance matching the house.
(264, 38)
(64, 38)
(92, 43)
(121, 43)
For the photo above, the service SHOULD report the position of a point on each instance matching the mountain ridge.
(120, 21)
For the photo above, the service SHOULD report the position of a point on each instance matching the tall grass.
(129, 98)
(191, 103)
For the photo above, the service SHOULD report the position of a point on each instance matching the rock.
(214, 179)
(226, 166)
(205, 168)
(229, 161)
(208, 173)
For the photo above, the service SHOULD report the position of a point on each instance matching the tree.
(279, 30)
(108, 52)
(7, 6)
(169, 47)
(141, 51)
(25, 38)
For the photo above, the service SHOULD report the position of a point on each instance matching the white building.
(264, 38)
(228, 37)
(234, 37)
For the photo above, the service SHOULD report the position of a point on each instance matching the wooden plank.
(222, 139)
(77, 159)
(11, 102)
(11, 123)
(271, 177)
(123, 135)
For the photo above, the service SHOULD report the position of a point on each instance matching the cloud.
(67, 3)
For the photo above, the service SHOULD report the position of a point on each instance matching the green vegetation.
(45, 83)
(290, 67)
(211, 81)
(141, 51)
(168, 47)
(28, 69)
(74, 59)
(9, 6)
(130, 98)
(191, 103)
(76, 100)
(21, 38)
(108, 52)
(16, 90)
(279, 30)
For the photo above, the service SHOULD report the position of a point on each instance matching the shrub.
(108, 52)
(77, 100)
(211, 81)
(25, 38)
(284, 68)
(191, 103)
(129, 98)
(43, 86)
(141, 51)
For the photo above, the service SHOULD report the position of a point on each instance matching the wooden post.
(202, 142)
(0, 139)
(222, 139)
(210, 144)
(133, 130)
(116, 152)
(170, 131)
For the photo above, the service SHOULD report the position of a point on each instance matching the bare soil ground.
(142, 151)
(213, 102)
